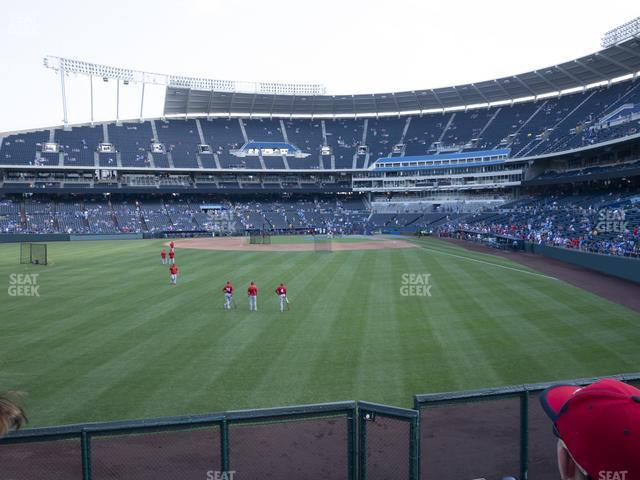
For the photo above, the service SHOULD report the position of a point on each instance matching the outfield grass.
(108, 338)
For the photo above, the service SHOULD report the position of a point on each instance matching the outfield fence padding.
(105, 236)
(627, 268)
(489, 433)
(33, 237)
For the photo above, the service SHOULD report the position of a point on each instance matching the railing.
(464, 435)
(490, 433)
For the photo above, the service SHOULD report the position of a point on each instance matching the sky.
(350, 46)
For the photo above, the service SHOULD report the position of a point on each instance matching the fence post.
(224, 445)
(351, 444)
(85, 447)
(414, 448)
(362, 445)
(524, 435)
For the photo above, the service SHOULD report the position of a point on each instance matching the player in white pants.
(252, 292)
(173, 271)
(281, 291)
(228, 294)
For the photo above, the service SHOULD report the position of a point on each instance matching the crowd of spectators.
(593, 170)
(304, 215)
(106, 216)
(607, 224)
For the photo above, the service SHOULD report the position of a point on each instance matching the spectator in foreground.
(11, 414)
(598, 427)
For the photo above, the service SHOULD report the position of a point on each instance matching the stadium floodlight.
(621, 33)
(128, 76)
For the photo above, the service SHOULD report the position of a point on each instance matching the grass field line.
(429, 249)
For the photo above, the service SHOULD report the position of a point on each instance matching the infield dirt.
(241, 244)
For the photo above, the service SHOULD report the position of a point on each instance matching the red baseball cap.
(600, 425)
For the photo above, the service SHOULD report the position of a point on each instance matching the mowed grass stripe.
(544, 301)
(268, 346)
(430, 359)
(335, 363)
(304, 330)
(179, 319)
(496, 327)
(456, 315)
(109, 338)
(235, 378)
(207, 357)
(242, 380)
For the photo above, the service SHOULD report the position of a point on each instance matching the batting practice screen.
(35, 253)
(323, 243)
(259, 238)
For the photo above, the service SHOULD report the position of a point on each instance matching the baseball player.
(228, 294)
(172, 256)
(281, 291)
(252, 292)
(172, 245)
(163, 255)
(173, 271)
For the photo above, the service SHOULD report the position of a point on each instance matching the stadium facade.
(454, 149)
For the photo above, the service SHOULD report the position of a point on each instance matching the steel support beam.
(186, 106)
(480, 93)
(503, 89)
(142, 104)
(525, 86)
(91, 94)
(603, 77)
(547, 81)
(570, 75)
(64, 98)
(615, 62)
(437, 99)
(117, 100)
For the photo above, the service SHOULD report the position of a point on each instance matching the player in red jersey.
(252, 292)
(173, 271)
(172, 245)
(281, 291)
(163, 255)
(172, 256)
(228, 294)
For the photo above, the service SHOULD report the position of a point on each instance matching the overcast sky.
(349, 46)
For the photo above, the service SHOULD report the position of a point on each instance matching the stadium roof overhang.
(619, 60)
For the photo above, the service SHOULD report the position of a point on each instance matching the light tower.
(127, 76)
(621, 33)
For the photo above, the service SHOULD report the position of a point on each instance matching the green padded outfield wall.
(622, 267)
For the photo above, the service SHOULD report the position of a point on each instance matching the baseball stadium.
(268, 281)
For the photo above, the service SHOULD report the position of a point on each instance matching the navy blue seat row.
(526, 128)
